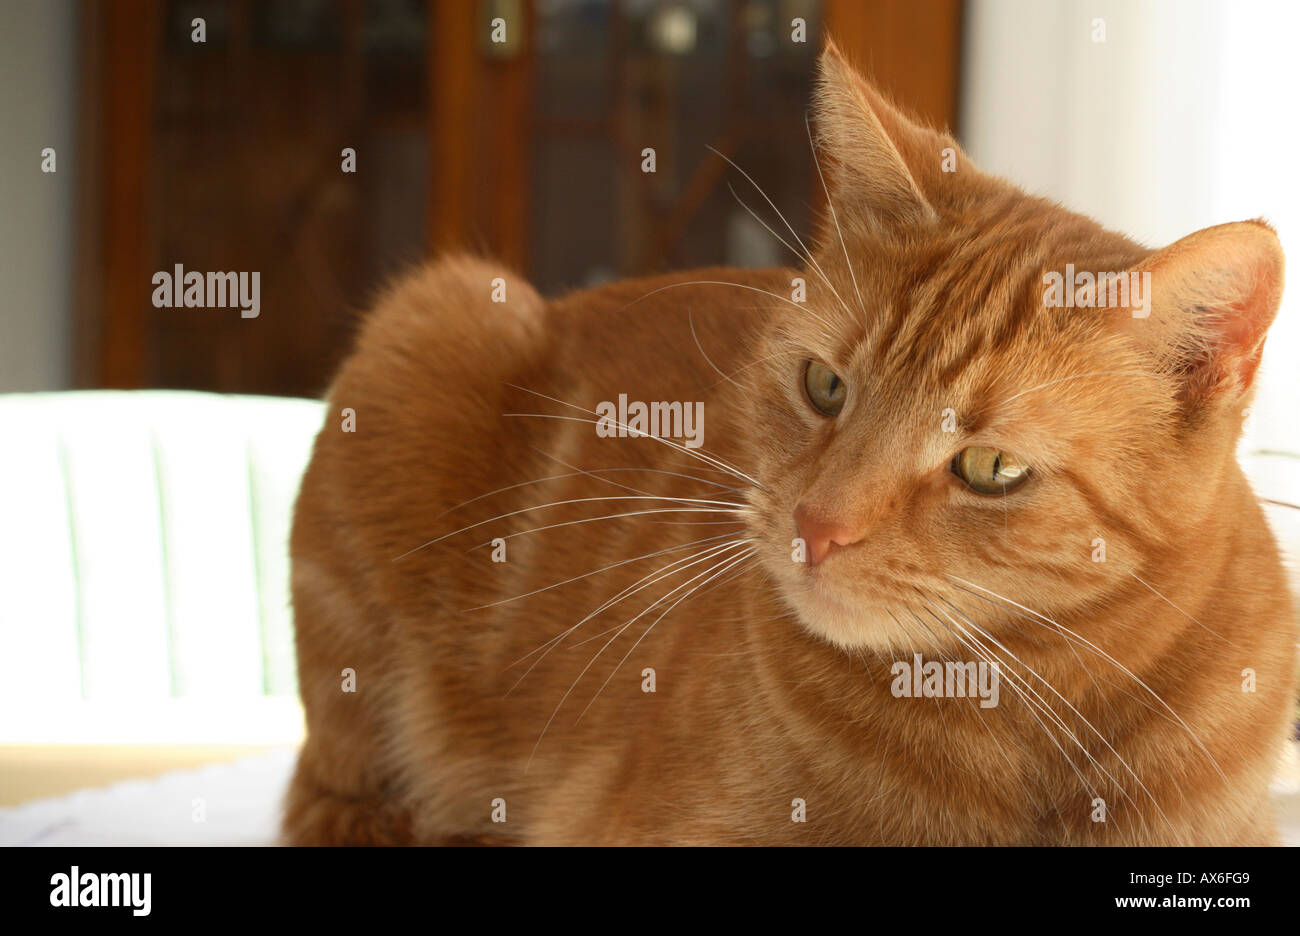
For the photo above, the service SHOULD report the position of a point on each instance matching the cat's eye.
(989, 471)
(825, 389)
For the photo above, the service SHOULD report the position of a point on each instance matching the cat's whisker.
(766, 292)
(800, 255)
(587, 640)
(731, 505)
(830, 203)
(725, 566)
(907, 631)
(697, 522)
(1106, 656)
(761, 360)
(1032, 637)
(592, 661)
(654, 577)
(700, 455)
(1078, 660)
(578, 578)
(595, 474)
(637, 433)
(1279, 503)
(502, 490)
(1161, 596)
(1002, 748)
(1012, 726)
(1059, 380)
(729, 578)
(609, 481)
(981, 648)
(1070, 643)
(617, 516)
(690, 320)
(707, 468)
(936, 645)
(806, 256)
(1138, 780)
(645, 581)
(1032, 706)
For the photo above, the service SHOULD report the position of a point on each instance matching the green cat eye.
(988, 471)
(826, 390)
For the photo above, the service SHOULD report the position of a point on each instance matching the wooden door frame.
(920, 64)
(118, 84)
(471, 95)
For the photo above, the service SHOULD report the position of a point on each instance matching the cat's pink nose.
(820, 536)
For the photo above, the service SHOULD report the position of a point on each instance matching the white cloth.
(232, 803)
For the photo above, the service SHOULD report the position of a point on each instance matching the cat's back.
(435, 406)
(452, 348)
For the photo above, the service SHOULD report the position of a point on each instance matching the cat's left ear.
(1211, 300)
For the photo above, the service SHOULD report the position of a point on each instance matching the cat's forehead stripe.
(949, 318)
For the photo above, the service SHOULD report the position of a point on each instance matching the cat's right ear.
(868, 149)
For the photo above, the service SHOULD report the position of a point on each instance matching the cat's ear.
(1212, 297)
(869, 150)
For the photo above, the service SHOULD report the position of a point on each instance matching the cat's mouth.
(833, 599)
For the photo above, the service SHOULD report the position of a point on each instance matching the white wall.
(37, 109)
(1184, 117)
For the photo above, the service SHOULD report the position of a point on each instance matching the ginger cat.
(564, 630)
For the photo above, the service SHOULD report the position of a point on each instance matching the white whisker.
(830, 203)
(591, 662)
(694, 453)
(725, 566)
(645, 581)
(700, 454)
(615, 565)
(617, 516)
(800, 306)
(1161, 596)
(1106, 656)
(807, 254)
(989, 637)
(577, 500)
(1059, 380)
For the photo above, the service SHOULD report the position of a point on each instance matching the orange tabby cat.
(558, 629)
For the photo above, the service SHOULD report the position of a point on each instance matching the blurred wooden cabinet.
(512, 127)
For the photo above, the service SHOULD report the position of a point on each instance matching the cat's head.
(945, 435)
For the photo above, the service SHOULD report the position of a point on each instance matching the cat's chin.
(848, 624)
